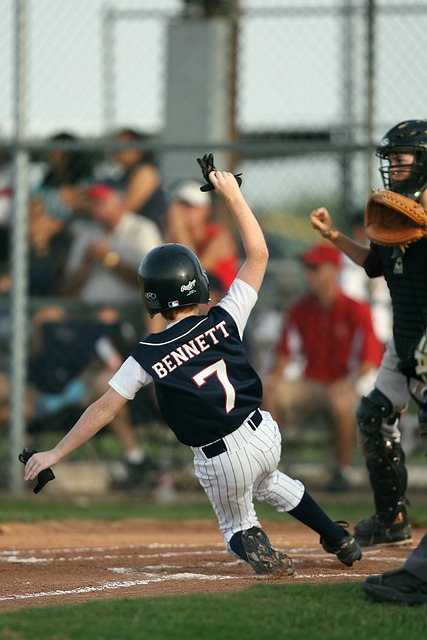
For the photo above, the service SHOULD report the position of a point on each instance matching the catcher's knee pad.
(373, 411)
(385, 458)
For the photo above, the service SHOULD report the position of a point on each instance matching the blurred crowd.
(91, 221)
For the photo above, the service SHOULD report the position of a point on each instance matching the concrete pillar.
(200, 94)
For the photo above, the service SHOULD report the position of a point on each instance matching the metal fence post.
(19, 301)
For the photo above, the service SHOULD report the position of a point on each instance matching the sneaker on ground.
(347, 550)
(373, 531)
(396, 586)
(261, 555)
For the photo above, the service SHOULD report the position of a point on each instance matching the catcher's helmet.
(171, 276)
(409, 136)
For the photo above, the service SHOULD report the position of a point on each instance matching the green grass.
(351, 508)
(261, 612)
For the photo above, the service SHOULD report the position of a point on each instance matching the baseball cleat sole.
(263, 559)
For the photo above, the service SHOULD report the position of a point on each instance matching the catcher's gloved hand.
(394, 220)
(207, 165)
(43, 477)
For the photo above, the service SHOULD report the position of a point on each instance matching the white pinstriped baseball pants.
(247, 470)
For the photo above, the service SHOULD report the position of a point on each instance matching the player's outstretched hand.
(207, 165)
(321, 221)
(38, 465)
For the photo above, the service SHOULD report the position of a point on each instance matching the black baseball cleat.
(396, 586)
(373, 531)
(347, 550)
(261, 555)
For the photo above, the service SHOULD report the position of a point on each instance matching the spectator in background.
(56, 196)
(70, 363)
(6, 201)
(49, 240)
(356, 284)
(327, 357)
(139, 179)
(104, 257)
(49, 244)
(66, 175)
(189, 222)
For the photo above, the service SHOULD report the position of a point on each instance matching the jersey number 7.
(218, 369)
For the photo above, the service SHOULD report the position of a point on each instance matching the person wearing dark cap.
(326, 356)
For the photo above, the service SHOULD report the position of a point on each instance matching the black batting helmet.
(408, 136)
(171, 276)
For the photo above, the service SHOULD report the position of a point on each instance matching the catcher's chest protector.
(406, 276)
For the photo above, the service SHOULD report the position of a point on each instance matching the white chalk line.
(110, 586)
(18, 559)
(153, 545)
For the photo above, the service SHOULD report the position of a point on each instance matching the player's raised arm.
(253, 269)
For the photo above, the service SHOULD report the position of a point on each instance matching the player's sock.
(236, 545)
(311, 514)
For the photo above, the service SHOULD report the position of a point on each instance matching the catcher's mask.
(411, 137)
(171, 276)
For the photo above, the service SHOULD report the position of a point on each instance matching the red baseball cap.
(99, 191)
(321, 254)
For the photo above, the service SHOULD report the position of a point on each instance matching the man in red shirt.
(327, 356)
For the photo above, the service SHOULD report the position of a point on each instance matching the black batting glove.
(43, 477)
(207, 165)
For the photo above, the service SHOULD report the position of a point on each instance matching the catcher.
(396, 224)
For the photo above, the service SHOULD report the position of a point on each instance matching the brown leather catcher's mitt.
(393, 219)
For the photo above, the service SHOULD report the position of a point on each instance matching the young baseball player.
(210, 395)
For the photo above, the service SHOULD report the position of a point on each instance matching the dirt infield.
(53, 562)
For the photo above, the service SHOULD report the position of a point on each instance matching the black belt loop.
(216, 448)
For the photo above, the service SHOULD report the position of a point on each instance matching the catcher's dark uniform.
(405, 271)
(210, 395)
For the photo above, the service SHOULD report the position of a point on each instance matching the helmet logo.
(150, 296)
(384, 142)
(174, 303)
(190, 287)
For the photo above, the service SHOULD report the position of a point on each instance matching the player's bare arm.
(321, 221)
(97, 415)
(253, 269)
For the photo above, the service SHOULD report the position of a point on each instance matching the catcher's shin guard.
(384, 458)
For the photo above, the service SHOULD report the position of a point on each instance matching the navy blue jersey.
(406, 276)
(204, 383)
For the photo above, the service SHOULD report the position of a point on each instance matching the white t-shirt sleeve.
(129, 379)
(239, 302)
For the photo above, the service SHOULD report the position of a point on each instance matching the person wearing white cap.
(190, 223)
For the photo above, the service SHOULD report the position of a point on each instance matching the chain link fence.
(294, 94)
